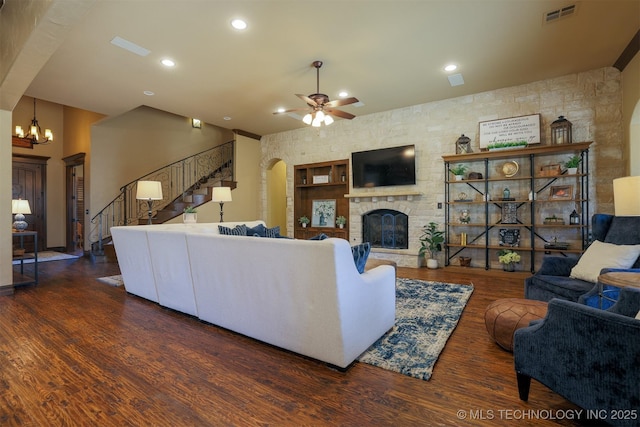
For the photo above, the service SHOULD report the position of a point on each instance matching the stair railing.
(177, 179)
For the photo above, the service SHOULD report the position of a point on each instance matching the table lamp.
(149, 191)
(626, 196)
(221, 195)
(19, 208)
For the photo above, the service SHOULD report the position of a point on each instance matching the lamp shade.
(20, 207)
(149, 190)
(221, 194)
(626, 196)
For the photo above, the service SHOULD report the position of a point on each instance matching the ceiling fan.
(321, 107)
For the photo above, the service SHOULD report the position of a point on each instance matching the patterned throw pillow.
(272, 232)
(360, 255)
(257, 231)
(238, 230)
(320, 236)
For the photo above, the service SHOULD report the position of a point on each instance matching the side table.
(618, 279)
(22, 279)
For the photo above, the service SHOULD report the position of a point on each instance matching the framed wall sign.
(509, 237)
(522, 128)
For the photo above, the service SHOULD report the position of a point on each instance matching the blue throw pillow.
(360, 255)
(238, 230)
(320, 236)
(272, 232)
(258, 230)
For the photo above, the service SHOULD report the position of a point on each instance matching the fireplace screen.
(386, 228)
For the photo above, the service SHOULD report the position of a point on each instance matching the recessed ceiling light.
(343, 94)
(227, 118)
(450, 67)
(239, 24)
(281, 110)
(168, 63)
(148, 93)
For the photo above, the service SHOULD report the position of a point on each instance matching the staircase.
(186, 182)
(196, 196)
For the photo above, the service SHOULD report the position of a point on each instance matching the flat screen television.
(383, 167)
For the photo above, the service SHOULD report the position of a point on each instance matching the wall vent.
(558, 14)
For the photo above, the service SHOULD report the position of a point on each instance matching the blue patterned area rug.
(426, 315)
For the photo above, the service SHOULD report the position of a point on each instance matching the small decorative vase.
(432, 263)
(459, 177)
(509, 267)
(304, 225)
(340, 225)
(572, 171)
(189, 218)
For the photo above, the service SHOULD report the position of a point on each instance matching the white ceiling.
(389, 54)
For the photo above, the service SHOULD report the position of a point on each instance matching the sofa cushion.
(601, 255)
(624, 230)
(238, 230)
(360, 255)
(544, 287)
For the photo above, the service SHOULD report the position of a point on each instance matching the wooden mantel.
(389, 196)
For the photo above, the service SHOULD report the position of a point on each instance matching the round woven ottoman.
(504, 316)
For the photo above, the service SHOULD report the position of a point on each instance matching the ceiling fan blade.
(339, 113)
(341, 102)
(291, 110)
(308, 100)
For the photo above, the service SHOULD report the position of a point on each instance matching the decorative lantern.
(561, 131)
(574, 218)
(463, 145)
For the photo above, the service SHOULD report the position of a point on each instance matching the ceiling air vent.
(557, 14)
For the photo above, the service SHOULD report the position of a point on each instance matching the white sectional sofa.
(303, 296)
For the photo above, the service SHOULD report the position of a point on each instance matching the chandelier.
(35, 132)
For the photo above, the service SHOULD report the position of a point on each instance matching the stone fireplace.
(386, 228)
(390, 222)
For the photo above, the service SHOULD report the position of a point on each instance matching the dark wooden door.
(29, 182)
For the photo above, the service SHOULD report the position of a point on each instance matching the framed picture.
(561, 192)
(509, 213)
(509, 237)
(323, 213)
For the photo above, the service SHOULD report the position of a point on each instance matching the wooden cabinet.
(519, 199)
(321, 184)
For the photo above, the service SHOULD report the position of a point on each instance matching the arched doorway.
(277, 196)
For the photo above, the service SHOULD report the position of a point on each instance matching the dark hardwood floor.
(74, 351)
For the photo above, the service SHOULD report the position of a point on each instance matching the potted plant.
(572, 164)
(431, 241)
(459, 171)
(303, 220)
(190, 215)
(508, 259)
(341, 221)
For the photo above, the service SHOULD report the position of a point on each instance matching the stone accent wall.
(592, 101)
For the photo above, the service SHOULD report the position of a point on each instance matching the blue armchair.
(589, 356)
(552, 279)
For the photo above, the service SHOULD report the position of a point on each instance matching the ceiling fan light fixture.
(307, 119)
(320, 115)
(316, 123)
(328, 120)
